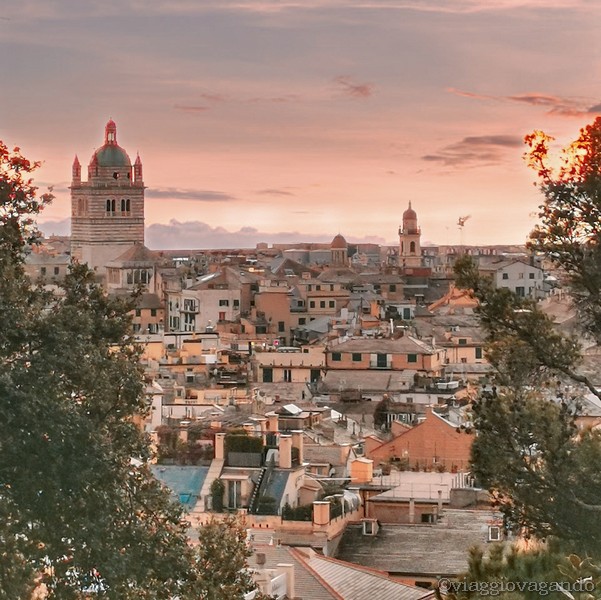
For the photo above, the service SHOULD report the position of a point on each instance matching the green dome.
(112, 155)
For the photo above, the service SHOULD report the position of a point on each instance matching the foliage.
(241, 442)
(381, 412)
(533, 573)
(297, 513)
(222, 556)
(217, 491)
(528, 451)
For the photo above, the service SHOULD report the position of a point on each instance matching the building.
(107, 210)
(410, 252)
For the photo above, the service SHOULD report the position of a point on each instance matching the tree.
(511, 573)
(222, 556)
(542, 471)
(77, 510)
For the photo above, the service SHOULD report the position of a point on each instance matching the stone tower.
(410, 251)
(107, 210)
(339, 252)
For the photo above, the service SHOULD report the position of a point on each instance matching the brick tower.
(107, 210)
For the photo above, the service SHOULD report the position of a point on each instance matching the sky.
(294, 120)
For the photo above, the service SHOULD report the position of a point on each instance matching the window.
(224, 302)
(189, 322)
(494, 534)
(138, 312)
(409, 400)
(222, 316)
(382, 360)
(315, 374)
(406, 314)
(136, 327)
(174, 323)
(428, 518)
(153, 312)
(267, 375)
(412, 248)
(312, 304)
(463, 359)
(520, 276)
(478, 352)
(110, 207)
(43, 270)
(505, 275)
(56, 270)
(332, 304)
(392, 287)
(520, 291)
(411, 358)
(281, 326)
(322, 304)
(356, 356)
(236, 303)
(462, 341)
(336, 356)
(531, 275)
(302, 321)
(287, 375)
(318, 288)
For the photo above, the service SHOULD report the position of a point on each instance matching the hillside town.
(321, 391)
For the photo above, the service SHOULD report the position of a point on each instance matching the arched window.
(122, 205)
(113, 206)
(412, 248)
(108, 206)
(127, 206)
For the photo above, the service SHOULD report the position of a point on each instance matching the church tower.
(410, 251)
(107, 210)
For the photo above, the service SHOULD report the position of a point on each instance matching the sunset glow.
(270, 121)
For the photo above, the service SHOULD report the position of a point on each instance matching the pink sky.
(287, 121)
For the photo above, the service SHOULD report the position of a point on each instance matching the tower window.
(110, 207)
(412, 247)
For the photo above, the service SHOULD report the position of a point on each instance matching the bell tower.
(410, 251)
(107, 210)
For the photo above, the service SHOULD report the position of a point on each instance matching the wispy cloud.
(189, 194)
(481, 150)
(274, 192)
(353, 89)
(554, 105)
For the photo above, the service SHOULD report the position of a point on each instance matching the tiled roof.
(426, 550)
(307, 584)
(400, 345)
(359, 583)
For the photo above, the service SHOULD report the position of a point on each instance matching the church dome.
(338, 242)
(409, 214)
(111, 154)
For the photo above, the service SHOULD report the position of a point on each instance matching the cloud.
(274, 192)
(55, 227)
(196, 234)
(554, 105)
(596, 109)
(353, 89)
(189, 194)
(481, 150)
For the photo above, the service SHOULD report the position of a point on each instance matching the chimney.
(273, 424)
(285, 452)
(297, 442)
(220, 446)
(362, 470)
(411, 510)
(263, 428)
(321, 513)
(288, 569)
